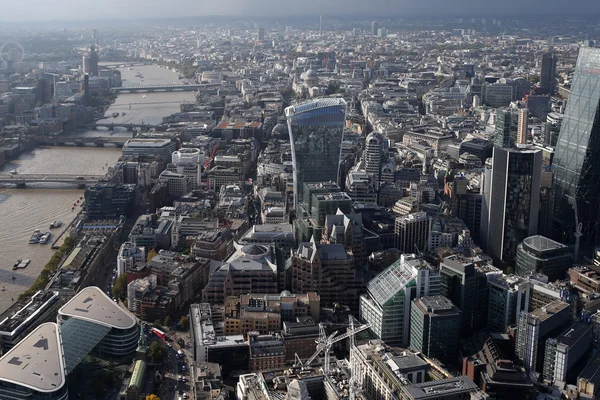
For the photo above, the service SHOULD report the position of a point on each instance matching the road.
(172, 388)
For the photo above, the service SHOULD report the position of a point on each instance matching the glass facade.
(316, 130)
(577, 157)
(540, 254)
(512, 201)
(506, 128)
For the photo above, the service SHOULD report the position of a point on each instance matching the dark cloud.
(24, 10)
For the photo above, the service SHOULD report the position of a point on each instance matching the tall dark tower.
(548, 75)
(577, 156)
(93, 60)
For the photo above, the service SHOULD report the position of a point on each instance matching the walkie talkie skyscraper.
(316, 129)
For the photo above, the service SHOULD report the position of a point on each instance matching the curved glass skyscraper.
(577, 157)
(316, 129)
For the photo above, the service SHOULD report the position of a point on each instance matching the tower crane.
(324, 344)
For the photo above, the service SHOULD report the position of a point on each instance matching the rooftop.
(541, 245)
(93, 305)
(436, 304)
(37, 361)
(439, 389)
(543, 313)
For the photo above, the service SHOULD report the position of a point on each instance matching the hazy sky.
(32, 10)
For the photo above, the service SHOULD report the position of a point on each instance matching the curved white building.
(92, 308)
(188, 162)
(35, 368)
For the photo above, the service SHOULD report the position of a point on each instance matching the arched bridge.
(157, 88)
(23, 179)
(100, 141)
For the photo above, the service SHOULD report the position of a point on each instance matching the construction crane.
(353, 384)
(324, 344)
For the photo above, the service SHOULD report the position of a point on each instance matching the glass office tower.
(316, 129)
(577, 157)
(511, 201)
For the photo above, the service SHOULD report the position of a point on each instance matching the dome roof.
(311, 73)
(285, 293)
(255, 250)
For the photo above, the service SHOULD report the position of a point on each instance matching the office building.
(251, 269)
(316, 130)
(267, 352)
(538, 254)
(300, 338)
(129, 255)
(373, 155)
(347, 230)
(327, 269)
(566, 350)
(231, 352)
(511, 201)
(454, 388)
(533, 328)
(507, 127)
(260, 35)
(106, 200)
(324, 204)
(382, 370)
(412, 232)
(386, 305)
(216, 244)
(522, 126)
(21, 378)
(497, 95)
(361, 187)
(466, 286)
(94, 317)
(548, 74)
(435, 328)
(21, 319)
(577, 155)
(507, 297)
(188, 162)
(150, 147)
(374, 28)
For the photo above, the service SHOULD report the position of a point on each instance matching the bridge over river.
(21, 180)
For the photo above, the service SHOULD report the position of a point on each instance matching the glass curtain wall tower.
(316, 129)
(577, 157)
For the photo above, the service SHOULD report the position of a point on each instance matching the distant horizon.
(152, 10)
(361, 17)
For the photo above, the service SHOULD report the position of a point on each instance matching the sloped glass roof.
(388, 283)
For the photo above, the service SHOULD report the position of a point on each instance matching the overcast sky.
(35, 10)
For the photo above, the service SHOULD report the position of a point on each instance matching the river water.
(35, 207)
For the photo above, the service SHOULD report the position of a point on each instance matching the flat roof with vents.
(93, 305)
(36, 362)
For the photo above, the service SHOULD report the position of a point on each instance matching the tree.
(184, 323)
(120, 287)
(510, 270)
(152, 397)
(167, 321)
(157, 352)
(151, 254)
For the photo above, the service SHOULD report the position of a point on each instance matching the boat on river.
(21, 264)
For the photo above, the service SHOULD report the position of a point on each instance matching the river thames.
(35, 207)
